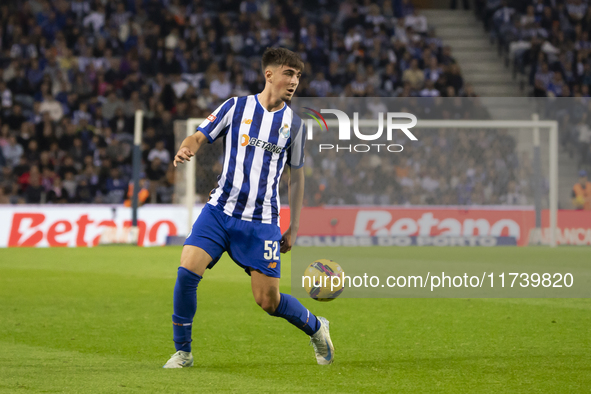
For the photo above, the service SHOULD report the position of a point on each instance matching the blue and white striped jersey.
(257, 145)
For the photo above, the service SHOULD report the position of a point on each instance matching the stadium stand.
(547, 44)
(73, 73)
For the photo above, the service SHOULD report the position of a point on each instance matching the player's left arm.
(296, 200)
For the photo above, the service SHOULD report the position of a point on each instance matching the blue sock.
(185, 306)
(294, 312)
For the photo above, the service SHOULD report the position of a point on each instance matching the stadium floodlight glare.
(537, 126)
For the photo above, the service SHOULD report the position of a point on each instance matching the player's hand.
(183, 154)
(287, 240)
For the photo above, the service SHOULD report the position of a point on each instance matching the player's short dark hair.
(281, 57)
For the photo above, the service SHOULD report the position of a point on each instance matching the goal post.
(535, 125)
(191, 128)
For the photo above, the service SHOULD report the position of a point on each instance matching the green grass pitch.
(99, 321)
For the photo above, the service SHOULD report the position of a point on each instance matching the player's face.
(286, 81)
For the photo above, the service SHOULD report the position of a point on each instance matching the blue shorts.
(252, 245)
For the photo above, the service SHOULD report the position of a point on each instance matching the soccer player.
(261, 135)
(582, 192)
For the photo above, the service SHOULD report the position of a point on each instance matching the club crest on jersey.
(252, 141)
(284, 131)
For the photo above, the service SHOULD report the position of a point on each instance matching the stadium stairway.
(484, 69)
(480, 63)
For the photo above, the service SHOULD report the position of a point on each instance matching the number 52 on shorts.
(271, 250)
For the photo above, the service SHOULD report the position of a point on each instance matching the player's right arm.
(189, 147)
(213, 127)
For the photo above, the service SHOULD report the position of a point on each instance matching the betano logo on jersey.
(252, 141)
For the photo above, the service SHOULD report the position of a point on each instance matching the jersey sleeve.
(217, 124)
(295, 156)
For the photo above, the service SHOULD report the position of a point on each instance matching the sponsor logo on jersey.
(252, 141)
(211, 117)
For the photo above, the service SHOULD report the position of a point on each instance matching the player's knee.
(267, 303)
(269, 306)
(195, 260)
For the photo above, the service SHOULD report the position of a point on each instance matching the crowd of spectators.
(444, 167)
(549, 42)
(72, 74)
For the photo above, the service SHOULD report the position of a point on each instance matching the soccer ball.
(323, 280)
